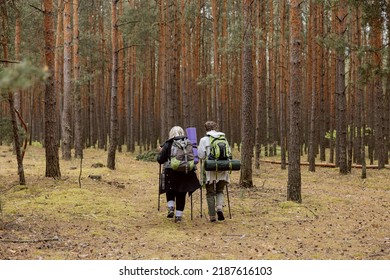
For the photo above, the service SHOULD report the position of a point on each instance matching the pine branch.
(39, 9)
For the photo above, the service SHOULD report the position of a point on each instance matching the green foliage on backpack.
(182, 155)
(219, 148)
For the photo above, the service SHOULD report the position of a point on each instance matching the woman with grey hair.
(180, 183)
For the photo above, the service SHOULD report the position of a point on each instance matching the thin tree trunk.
(12, 109)
(184, 66)
(121, 82)
(282, 89)
(313, 89)
(102, 142)
(114, 88)
(67, 101)
(341, 90)
(76, 84)
(360, 92)
(376, 24)
(224, 108)
(58, 62)
(217, 74)
(271, 81)
(261, 83)
(16, 94)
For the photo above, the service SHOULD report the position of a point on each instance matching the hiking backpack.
(219, 148)
(182, 155)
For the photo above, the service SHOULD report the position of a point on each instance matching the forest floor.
(342, 217)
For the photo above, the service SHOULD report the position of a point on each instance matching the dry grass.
(341, 217)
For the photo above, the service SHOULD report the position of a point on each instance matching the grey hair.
(176, 131)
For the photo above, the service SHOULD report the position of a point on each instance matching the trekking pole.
(191, 207)
(201, 215)
(201, 187)
(228, 199)
(159, 183)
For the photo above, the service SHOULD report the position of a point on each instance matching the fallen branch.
(8, 61)
(315, 215)
(29, 241)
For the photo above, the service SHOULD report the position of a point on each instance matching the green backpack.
(182, 155)
(219, 148)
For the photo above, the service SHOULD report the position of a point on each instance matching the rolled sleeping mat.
(222, 165)
(191, 135)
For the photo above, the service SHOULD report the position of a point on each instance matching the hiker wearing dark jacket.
(181, 183)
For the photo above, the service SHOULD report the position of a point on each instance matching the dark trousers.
(179, 197)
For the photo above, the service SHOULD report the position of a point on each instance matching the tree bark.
(261, 127)
(114, 88)
(51, 138)
(216, 69)
(247, 97)
(341, 119)
(282, 88)
(79, 139)
(67, 94)
(313, 89)
(294, 169)
(376, 24)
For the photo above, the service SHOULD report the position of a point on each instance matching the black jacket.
(179, 181)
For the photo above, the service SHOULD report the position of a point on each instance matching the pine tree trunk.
(224, 108)
(121, 83)
(294, 161)
(261, 128)
(162, 68)
(196, 93)
(216, 69)
(102, 128)
(114, 89)
(58, 62)
(67, 94)
(247, 96)
(16, 94)
(313, 89)
(282, 89)
(360, 96)
(130, 100)
(271, 81)
(12, 109)
(376, 24)
(51, 138)
(184, 67)
(78, 143)
(341, 91)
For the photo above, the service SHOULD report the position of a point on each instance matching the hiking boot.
(171, 212)
(213, 219)
(178, 219)
(220, 216)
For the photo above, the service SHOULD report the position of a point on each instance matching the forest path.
(341, 217)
